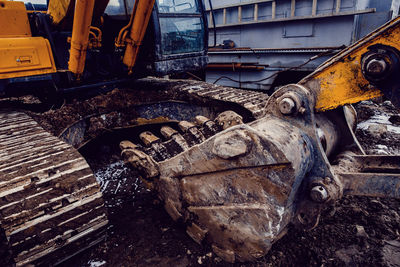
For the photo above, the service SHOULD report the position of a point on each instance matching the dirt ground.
(357, 231)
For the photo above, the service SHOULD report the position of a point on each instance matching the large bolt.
(319, 194)
(376, 67)
(287, 106)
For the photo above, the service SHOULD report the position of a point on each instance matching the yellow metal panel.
(25, 57)
(59, 9)
(13, 19)
(340, 81)
(17, 57)
(62, 12)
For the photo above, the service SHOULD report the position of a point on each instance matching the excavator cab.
(155, 38)
(180, 28)
(176, 40)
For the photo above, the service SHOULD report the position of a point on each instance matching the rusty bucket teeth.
(187, 135)
(192, 134)
(208, 127)
(175, 142)
(175, 138)
(148, 138)
(228, 119)
(168, 132)
(201, 120)
(185, 126)
(139, 160)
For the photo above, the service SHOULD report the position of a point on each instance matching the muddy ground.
(357, 231)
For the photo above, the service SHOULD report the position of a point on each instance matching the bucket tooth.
(148, 138)
(127, 145)
(201, 120)
(174, 137)
(209, 128)
(139, 160)
(168, 132)
(192, 134)
(155, 147)
(185, 126)
(228, 119)
(161, 151)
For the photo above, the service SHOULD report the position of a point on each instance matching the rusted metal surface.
(240, 188)
(49, 198)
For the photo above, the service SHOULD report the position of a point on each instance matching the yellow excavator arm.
(83, 17)
(24, 55)
(62, 11)
(362, 71)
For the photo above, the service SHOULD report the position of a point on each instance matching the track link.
(186, 90)
(253, 101)
(49, 197)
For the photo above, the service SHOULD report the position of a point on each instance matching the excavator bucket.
(239, 186)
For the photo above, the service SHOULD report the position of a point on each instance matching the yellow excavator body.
(21, 54)
(31, 56)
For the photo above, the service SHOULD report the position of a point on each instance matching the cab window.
(177, 6)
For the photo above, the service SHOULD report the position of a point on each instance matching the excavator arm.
(365, 70)
(83, 16)
(240, 185)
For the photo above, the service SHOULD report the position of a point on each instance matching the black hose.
(276, 73)
(213, 20)
(44, 23)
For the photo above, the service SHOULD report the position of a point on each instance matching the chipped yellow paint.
(340, 81)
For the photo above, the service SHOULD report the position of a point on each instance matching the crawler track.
(50, 202)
